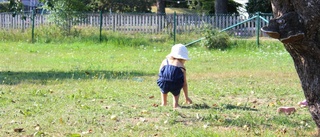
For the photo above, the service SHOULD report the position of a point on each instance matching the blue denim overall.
(171, 79)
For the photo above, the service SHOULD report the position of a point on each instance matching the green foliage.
(66, 13)
(176, 4)
(202, 6)
(4, 6)
(65, 6)
(214, 39)
(141, 6)
(233, 7)
(15, 6)
(254, 6)
(208, 6)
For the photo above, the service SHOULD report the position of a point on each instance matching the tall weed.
(215, 39)
(55, 34)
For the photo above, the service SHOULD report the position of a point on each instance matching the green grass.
(109, 89)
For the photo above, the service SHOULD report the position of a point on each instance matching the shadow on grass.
(223, 106)
(13, 78)
(230, 106)
(197, 106)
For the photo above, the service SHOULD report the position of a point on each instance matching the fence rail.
(145, 23)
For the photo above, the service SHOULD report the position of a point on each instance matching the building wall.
(29, 5)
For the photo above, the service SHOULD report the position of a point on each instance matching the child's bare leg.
(164, 99)
(176, 101)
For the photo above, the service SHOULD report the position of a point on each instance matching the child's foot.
(163, 104)
(176, 107)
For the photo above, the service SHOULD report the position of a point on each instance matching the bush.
(4, 7)
(215, 39)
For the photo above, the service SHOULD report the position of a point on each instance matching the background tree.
(162, 4)
(141, 6)
(116, 6)
(161, 7)
(14, 6)
(296, 24)
(65, 13)
(201, 6)
(4, 6)
(254, 6)
(233, 7)
(208, 6)
(177, 3)
(221, 7)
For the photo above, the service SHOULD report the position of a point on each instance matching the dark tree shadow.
(13, 78)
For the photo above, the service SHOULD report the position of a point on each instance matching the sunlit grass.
(109, 89)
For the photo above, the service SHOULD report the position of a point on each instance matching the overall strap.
(167, 62)
(183, 68)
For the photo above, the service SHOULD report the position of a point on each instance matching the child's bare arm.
(185, 88)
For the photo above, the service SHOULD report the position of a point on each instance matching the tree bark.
(221, 6)
(296, 24)
(161, 7)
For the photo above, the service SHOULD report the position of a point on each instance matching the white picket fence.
(144, 23)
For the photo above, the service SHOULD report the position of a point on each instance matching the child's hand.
(188, 101)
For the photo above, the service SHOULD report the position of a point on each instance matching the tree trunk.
(296, 24)
(221, 6)
(161, 7)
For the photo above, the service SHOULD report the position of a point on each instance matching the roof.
(31, 3)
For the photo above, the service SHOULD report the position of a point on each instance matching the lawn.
(102, 89)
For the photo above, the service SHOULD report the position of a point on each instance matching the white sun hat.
(179, 51)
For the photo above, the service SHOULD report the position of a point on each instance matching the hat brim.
(178, 57)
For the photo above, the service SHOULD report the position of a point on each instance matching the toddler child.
(172, 75)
